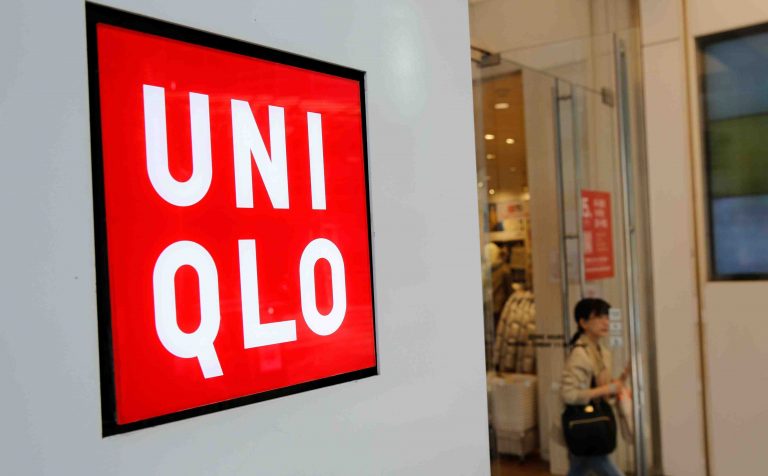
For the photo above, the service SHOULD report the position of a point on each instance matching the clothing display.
(517, 443)
(501, 277)
(513, 349)
(512, 410)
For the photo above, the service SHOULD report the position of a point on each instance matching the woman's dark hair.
(585, 309)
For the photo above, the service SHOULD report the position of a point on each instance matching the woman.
(588, 359)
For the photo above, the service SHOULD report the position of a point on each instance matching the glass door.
(594, 259)
(561, 218)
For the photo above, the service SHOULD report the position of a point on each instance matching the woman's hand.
(612, 389)
(626, 373)
(607, 390)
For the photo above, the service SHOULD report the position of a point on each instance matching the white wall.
(567, 39)
(672, 241)
(545, 35)
(732, 314)
(425, 413)
(505, 25)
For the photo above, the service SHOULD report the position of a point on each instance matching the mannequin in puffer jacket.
(513, 349)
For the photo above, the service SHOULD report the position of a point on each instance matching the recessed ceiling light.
(489, 137)
(479, 184)
(490, 156)
(501, 105)
(491, 192)
(509, 141)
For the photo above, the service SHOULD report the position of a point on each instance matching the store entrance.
(558, 209)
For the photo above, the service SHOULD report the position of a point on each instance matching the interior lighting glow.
(489, 137)
(501, 105)
(510, 141)
(491, 192)
(490, 156)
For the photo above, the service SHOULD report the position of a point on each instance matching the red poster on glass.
(597, 233)
(232, 221)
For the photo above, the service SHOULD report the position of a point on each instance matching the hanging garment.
(513, 349)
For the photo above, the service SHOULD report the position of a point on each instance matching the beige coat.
(585, 360)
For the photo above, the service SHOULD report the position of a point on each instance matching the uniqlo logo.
(232, 221)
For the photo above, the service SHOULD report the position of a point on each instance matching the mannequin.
(501, 279)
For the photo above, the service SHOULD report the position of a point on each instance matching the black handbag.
(590, 430)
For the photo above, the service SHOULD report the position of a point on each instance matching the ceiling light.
(490, 156)
(491, 192)
(501, 105)
(489, 137)
(509, 141)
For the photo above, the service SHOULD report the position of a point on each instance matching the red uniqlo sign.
(598, 235)
(233, 246)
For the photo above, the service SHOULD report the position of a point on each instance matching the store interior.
(529, 192)
(550, 137)
(511, 356)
